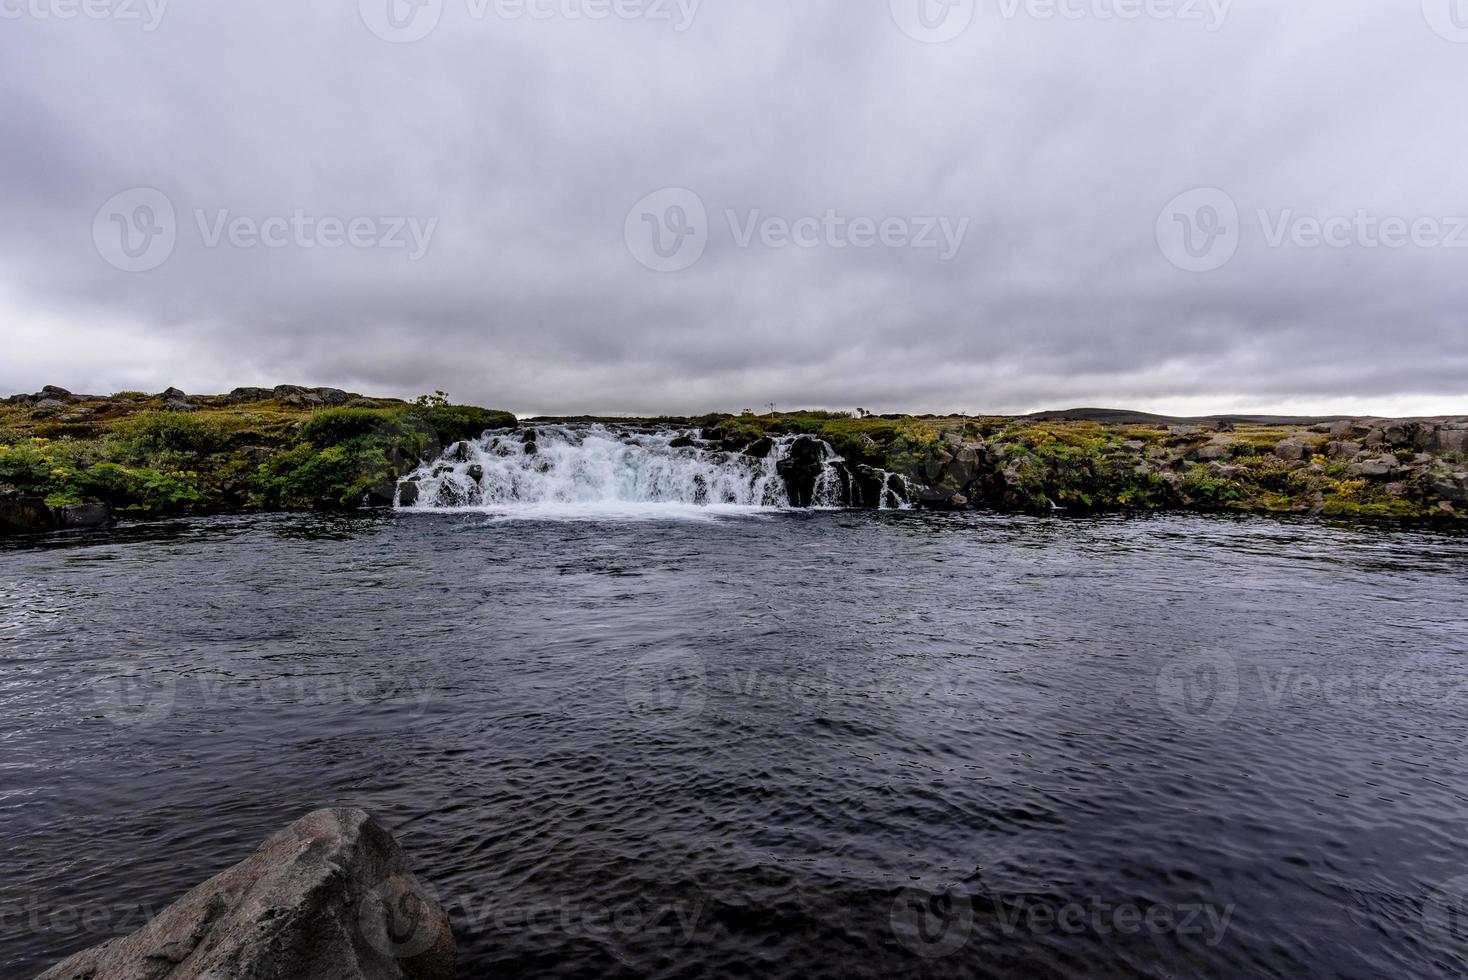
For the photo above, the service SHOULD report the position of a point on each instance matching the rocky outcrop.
(25, 515)
(328, 898)
(801, 468)
(31, 515)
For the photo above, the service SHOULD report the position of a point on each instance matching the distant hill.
(1121, 416)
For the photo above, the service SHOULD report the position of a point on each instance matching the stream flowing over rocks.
(328, 898)
(600, 466)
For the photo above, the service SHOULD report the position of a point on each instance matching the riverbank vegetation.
(293, 448)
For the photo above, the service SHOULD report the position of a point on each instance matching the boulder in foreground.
(328, 898)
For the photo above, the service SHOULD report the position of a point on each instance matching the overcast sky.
(893, 204)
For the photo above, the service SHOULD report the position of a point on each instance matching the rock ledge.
(328, 898)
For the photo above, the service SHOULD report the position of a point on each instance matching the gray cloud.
(1060, 141)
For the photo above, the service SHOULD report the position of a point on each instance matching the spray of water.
(571, 469)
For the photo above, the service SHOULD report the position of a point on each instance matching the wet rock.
(682, 442)
(407, 494)
(936, 498)
(760, 448)
(801, 468)
(25, 515)
(475, 473)
(460, 452)
(331, 896)
(84, 515)
(868, 486)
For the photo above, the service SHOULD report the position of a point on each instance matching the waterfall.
(606, 467)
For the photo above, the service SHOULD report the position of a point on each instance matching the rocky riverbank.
(69, 460)
(329, 896)
(74, 460)
(1357, 467)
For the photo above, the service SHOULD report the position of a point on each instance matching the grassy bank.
(292, 448)
(285, 449)
(1355, 467)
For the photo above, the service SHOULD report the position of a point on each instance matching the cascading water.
(601, 467)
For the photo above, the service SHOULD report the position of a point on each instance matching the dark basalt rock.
(682, 442)
(331, 896)
(25, 515)
(801, 468)
(868, 487)
(407, 494)
(85, 515)
(760, 448)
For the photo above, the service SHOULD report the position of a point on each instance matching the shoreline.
(76, 461)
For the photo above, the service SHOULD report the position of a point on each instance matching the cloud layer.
(329, 201)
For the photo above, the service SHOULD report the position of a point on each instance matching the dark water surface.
(809, 745)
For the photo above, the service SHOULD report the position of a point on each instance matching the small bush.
(334, 426)
(151, 433)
